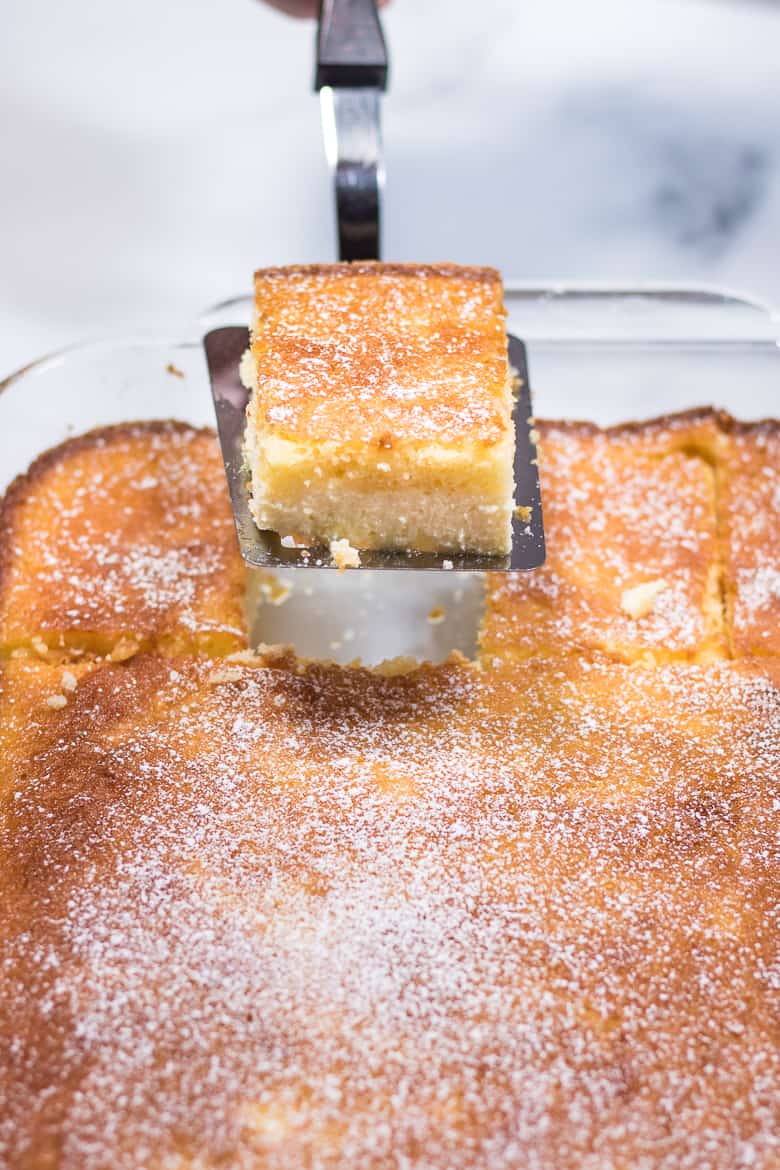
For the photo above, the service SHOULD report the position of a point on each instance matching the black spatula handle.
(351, 49)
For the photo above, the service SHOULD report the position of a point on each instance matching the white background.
(154, 153)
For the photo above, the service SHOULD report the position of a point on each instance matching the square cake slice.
(750, 513)
(121, 541)
(381, 409)
(633, 564)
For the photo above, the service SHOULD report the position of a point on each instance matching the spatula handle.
(351, 49)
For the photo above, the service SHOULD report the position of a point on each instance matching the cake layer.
(381, 407)
(119, 541)
(435, 500)
(750, 508)
(267, 916)
(633, 558)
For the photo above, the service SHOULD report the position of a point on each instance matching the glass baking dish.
(601, 354)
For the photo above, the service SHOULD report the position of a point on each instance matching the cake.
(381, 408)
(633, 555)
(119, 541)
(266, 915)
(260, 913)
(751, 524)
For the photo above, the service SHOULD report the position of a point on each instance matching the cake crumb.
(437, 615)
(523, 512)
(393, 667)
(225, 674)
(56, 702)
(174, 370)
(344, 555)
(68, 682)
(125, 648)
(640, 601)
(274, 591)
(296, 540)
(247, 370)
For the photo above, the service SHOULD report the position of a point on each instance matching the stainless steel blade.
(353, 147)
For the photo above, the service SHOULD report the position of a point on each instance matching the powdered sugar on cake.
(339, 920)
(359, 355)
(470, 917)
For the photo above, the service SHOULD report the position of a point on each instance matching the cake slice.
(381, 412)
(750, 508)
(121, 541)
(633, 564)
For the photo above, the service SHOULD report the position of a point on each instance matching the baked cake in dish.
(381, 412)
(272, 916)
(119, 541)
(751, 523)
(520, 912)
(633, 557)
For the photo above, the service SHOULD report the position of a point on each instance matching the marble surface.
(155, 153)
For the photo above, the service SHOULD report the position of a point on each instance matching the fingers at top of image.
(305, 8)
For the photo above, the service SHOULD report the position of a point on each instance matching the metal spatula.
(351, 75)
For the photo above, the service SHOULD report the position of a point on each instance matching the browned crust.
(769, 426)
(564, 874)
(677, 419)
(345, 337)
(20, 487)
(446, 269)
(725, 422)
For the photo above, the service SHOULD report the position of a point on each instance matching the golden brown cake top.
(122, 536)
(381, 353)
(265, 918)
(751, 516)
(626, 508)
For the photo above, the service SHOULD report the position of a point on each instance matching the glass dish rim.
(670, 295)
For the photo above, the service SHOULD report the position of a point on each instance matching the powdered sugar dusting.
(126, 531)
(519, 915)
(372, 353)
(449, 919)
(758, 589)
(752, 519)
(620, 509)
